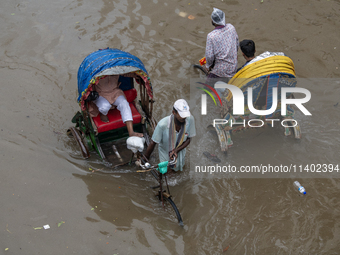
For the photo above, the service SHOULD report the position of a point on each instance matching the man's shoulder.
(163, 123)
(190, 120)
(229, 25)
(227, 28)
(214, 32)
(230, 28)
(211, 34)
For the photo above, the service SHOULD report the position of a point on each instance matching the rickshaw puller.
(173, 134)
(221, 47)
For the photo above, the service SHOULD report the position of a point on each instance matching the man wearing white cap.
(221, 48)
(173, 134)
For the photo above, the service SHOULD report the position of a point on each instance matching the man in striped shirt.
(221, 48)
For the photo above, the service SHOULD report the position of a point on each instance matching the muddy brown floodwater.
(45, 181)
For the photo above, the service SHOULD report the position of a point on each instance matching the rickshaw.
(108, 139)
(111, 140)
(268, 70)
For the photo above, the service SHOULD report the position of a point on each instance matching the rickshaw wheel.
(77, 136)
(178, 215)
(99, 148)
(201, 69)
(146, 135)
(167, 198)
(148, 129)
(69, 133)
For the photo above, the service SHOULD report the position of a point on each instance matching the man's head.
(181, 110)
(248, 49)
(218, 17)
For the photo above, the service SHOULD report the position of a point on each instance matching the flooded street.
(94, 209)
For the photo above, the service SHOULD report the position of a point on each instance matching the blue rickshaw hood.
(106, 62)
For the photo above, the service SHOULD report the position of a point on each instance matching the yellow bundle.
(270, 65)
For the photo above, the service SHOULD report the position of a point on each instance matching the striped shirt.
(222, 46)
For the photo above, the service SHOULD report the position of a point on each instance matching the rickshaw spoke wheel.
(99, 148)
(77, 136)
(69, 133)
(167, 198)
(146, 135)
(204, 71)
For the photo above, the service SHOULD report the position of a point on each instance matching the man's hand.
(206, 69)
(173, 154)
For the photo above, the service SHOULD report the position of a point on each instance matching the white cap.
(218, 17)
(182, 108)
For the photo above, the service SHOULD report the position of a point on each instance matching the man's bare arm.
(150, 149)
(184, 145)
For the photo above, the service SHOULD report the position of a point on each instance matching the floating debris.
(59, 224)
(182, 14)
(226, 248)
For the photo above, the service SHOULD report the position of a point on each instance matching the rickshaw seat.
(115, 119)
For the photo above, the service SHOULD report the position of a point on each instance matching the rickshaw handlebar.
(146, 165)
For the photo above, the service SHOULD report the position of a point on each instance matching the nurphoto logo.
(239, 103)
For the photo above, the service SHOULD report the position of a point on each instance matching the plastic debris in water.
(59, 224)
(182, 14)
(226, 248)
(300, 187)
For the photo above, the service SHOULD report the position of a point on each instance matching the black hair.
(248, 48)
(173, 108)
